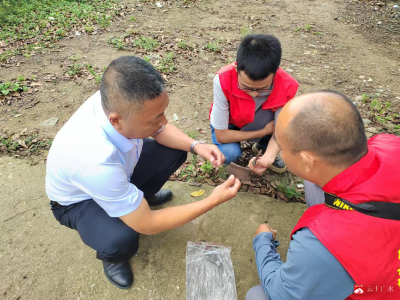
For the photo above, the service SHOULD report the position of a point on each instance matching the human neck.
(327, 173)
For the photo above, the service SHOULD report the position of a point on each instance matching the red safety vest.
(242, 106)
(367, 247)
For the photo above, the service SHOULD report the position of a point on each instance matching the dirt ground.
(327, 44)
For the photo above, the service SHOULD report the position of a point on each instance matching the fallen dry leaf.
(197, 193)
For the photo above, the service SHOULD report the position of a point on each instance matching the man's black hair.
(330, 126)
(259, 55)
(131, 79)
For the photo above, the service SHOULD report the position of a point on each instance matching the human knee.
(121, 247)
(231, 152)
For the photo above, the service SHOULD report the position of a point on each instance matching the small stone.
(390, 126)
(312, 46)
(290, 70)
(50, 122)
(327, 67)
(368, 134)
(370, 80)
(380, 90)
(366, 122)
(361, 77)
(372, 130)
(159, 4)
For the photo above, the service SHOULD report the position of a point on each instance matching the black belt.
(55, 204)
(384, 210)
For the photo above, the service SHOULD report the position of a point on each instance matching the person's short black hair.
(130, 79)
(330, 126)
(259, 55)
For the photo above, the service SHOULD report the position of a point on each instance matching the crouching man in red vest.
(346, 245)
(248, 96)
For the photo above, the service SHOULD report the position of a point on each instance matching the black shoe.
(119, 275)
(278, 166)
(160, 198)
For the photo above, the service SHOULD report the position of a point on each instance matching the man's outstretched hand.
(226, 190)
(210, 153)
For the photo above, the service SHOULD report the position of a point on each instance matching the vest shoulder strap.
(384, 210)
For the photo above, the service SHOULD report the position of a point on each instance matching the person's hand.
(226, 190)
(267, 130)
(263, 163)
(210, 153)
(265, 228)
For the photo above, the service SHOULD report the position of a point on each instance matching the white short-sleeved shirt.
(89, 159)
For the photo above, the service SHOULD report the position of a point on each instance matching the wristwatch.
(194, 144)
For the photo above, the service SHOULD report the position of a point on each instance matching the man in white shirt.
(103, 172)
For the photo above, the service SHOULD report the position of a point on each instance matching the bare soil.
(326, 45)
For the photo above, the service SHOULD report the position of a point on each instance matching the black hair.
(132, 79)
(259, 55)
(331, 127)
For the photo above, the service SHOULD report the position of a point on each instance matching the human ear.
(115, 120)
(308, 161)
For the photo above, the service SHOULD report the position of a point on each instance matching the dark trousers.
(114, 241)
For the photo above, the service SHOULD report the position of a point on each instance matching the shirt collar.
(356, 173)
(122, 143)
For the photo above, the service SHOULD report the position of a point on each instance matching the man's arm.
(146, 221)
(310, 272)
(231, 136)
(270, 154)
(172, 137)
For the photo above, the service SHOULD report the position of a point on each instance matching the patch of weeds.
(206, 167)
(96, 76)
(132, 19)
(192, 134)
(365, 98)
(213, 47)
(289, 191)
(75, 69)
(166, 64)
(74, 58)
(183, 45)
(244, 31)
(146, 43)
(36, 24)
(117, 42)
(307, 27)
(25, 145)
(297, 29)
(381, 111)
(10, 87)
(89, 29)
(318, 33)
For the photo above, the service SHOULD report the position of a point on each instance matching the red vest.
(242, 105)
(367, 247)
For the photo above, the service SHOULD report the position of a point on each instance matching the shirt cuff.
(264, 238)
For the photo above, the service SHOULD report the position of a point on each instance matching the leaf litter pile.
(286, 186)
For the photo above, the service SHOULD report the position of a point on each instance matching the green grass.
(183, 45)
(146, 43)
(244, 31)
(166, 64)
(10, 87)
(290, 192)
(213, 47)
(40, 23)
(34, 144)
(117, 42)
